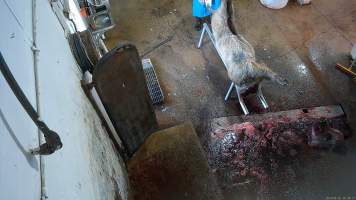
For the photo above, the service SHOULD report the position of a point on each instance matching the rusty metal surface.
(333, 111)
(121, 85)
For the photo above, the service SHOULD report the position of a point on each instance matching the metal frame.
(239, 90)
(154, 88)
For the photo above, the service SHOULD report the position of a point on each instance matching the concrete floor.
(301, 43)
(171, 164)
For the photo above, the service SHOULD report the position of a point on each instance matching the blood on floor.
(259, 153)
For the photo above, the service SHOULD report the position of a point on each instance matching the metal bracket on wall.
(53, 141)
(239, 90)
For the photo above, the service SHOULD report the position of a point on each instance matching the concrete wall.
(87, 167)
(18, 170)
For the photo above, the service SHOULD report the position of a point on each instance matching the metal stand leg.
(201, 36)
(261, 97)
(206, 29)
(241, 101)
(229, 91)
(259, 94)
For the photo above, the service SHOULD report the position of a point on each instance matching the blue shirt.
(199, 10)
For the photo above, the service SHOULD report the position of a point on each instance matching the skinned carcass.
(237, 53)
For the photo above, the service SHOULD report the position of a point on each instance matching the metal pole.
(229, 91)
(241, 101)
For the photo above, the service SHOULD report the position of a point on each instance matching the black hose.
(53, 141)
(80, 53)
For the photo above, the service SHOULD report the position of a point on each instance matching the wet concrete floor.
(302, 43)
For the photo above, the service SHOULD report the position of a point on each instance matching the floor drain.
(154, 88)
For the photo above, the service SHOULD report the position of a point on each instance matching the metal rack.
(153, 85)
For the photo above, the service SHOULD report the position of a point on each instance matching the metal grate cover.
(154, 88)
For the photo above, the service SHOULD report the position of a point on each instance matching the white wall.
(87, 167)
(18, 169)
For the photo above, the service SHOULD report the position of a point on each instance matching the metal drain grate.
(154, 88)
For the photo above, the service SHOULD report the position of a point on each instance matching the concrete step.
(171, 164)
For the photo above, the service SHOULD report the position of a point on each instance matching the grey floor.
(301, 43)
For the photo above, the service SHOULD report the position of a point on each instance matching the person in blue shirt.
(202, 12)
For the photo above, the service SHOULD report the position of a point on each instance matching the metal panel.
(120, 82)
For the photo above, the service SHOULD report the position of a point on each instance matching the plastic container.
(274, 4)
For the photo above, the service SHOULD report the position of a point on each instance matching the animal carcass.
(238, 54)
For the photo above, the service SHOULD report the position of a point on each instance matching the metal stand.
(239, 90)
